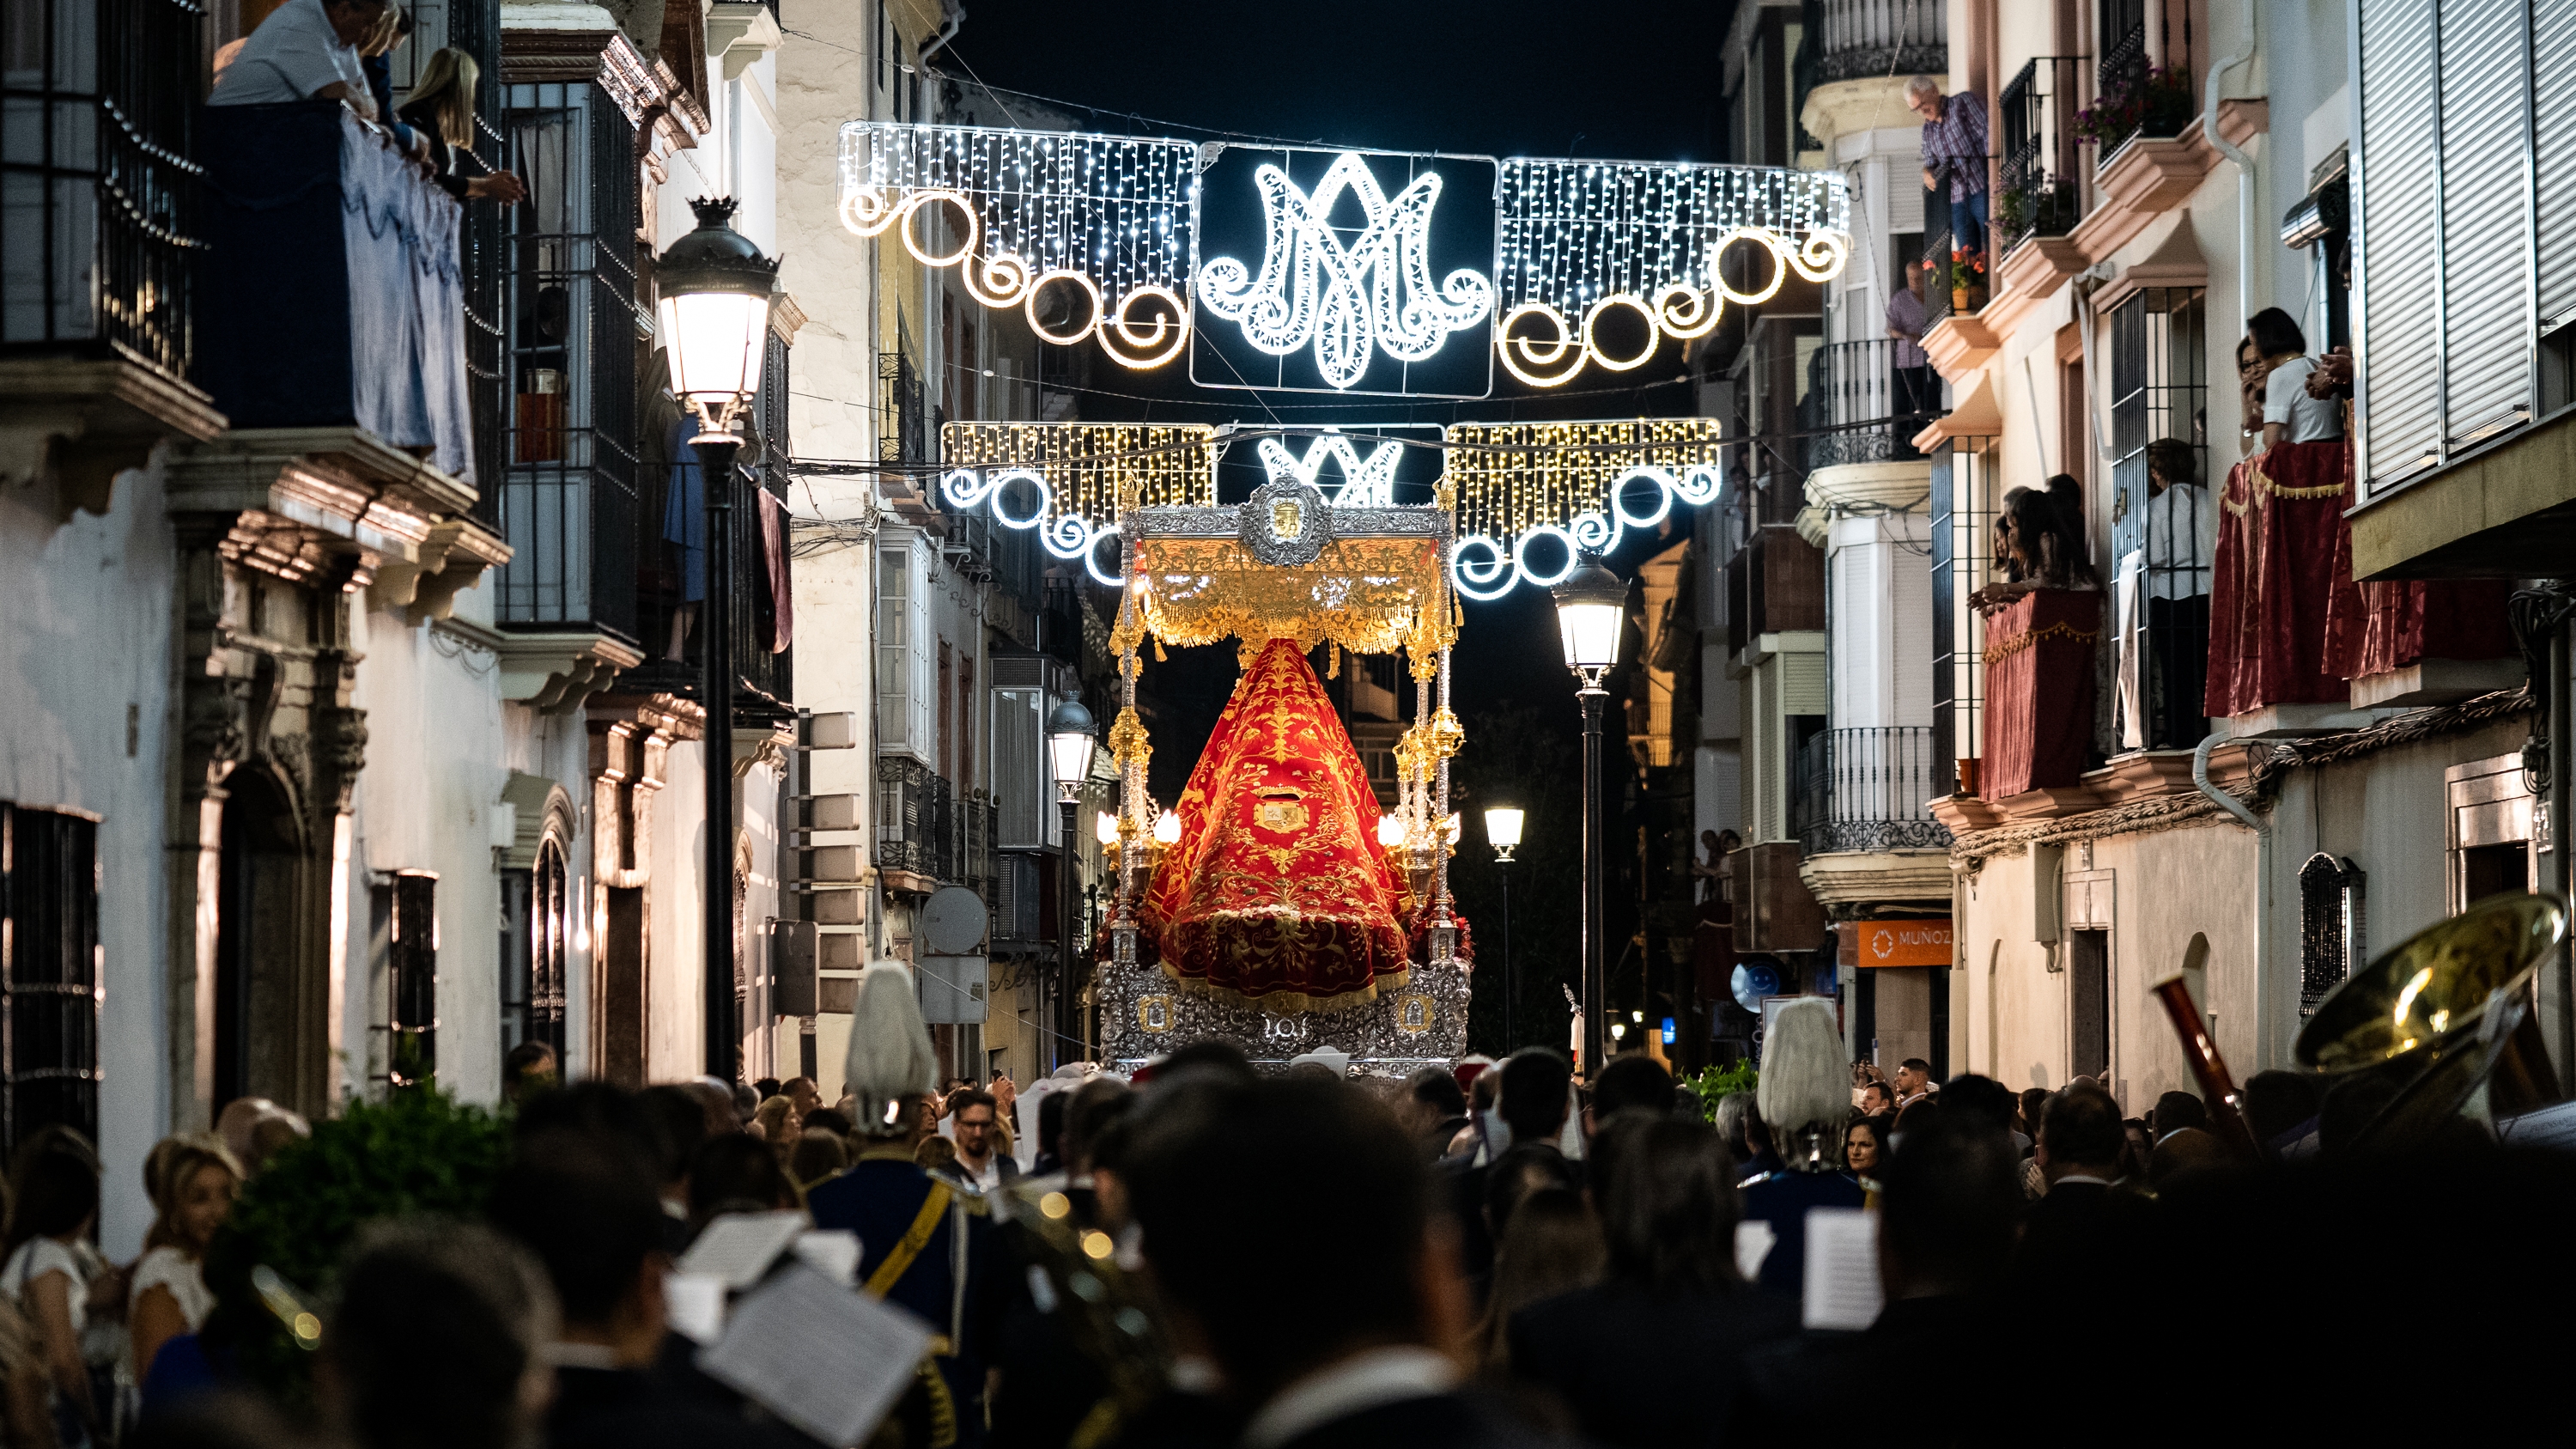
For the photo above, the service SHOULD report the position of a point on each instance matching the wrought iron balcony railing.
(1863, 39)
(1863, 790)
(1865, 406)
(100, 238)
(2038, 193)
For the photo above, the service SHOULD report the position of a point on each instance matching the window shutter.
(2553, 104)
(1019, 725)
(2485, 225)
(894, 651)
(2400, 236)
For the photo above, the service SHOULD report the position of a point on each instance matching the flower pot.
(1967, 774)
(1959, 299)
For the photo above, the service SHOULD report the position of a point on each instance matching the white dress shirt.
(292, 55)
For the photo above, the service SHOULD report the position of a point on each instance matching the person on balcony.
(306, 50)
(2041, 549)
(1918, 394)
(2182, 538)
(1955, 147)
(2290, 413)
(441, 109)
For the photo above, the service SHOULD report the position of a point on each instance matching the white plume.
(890, 1053)
(1804, 1080)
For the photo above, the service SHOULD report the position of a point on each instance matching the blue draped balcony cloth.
(331, 292)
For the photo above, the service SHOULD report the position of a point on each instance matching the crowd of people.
(1205, 1253)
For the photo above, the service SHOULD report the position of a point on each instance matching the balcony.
(1855, 57)
(927, 837)
(1873, 39)
(2039, 197)
(99, 242)
(2039, 696)
(1865, 790)
(2144, 85)
(331, 295)
(330, 328)
(1863, 408)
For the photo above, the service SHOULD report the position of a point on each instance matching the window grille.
(411, 981)
(2163, 543)
(97, 189)
(49, 972)
(1962, 562)
(2332, 936)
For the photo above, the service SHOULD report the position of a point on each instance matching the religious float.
(1276, 903)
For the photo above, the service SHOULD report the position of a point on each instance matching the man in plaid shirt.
(1954, 145)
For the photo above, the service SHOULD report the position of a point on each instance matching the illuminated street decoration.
(1036, 220)
(1345, 300)
(1531, 497)
(1583, 240)
(1572, 264)
(1071, 481)
(1366, 482)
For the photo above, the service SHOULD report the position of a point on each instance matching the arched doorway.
(256, 943)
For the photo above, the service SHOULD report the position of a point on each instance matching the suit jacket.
(631, 1409)
(1782, 1200)
(1642, 1368)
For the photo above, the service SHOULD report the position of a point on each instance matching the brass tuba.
(2445, 1018)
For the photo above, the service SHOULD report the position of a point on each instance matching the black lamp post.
(715, 288)
(1503, 832)
(1069, 728)
(1591, 609)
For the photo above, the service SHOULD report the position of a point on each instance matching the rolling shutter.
(2486, 232)
(2553, 96)
(2400, 236)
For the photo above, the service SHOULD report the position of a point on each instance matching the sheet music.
(832, 1252)
(1842, 1289)
(1753, 1240)
(696, 1305)
(827, 1359)
(737, 1248)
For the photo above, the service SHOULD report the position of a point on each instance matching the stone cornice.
(557, 671)
(1959, 344)
(298, 496)
(76, 422)
(1877, 877)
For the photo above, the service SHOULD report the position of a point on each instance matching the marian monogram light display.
(1368, 268)
(1366, 482)
(1345, 300)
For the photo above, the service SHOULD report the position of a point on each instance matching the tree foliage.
(421, 1152)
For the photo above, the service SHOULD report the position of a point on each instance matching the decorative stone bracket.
(556, 672)
(302, 497)
(739, 34)
(72, 424)
(450, 560)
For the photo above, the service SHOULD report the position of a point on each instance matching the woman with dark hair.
(2290, 415)
(1651, 1354)
(47, 1275)
(1864, 1148)
(2043, 550)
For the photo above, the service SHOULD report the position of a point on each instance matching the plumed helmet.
(890, 1053)
(1805, 1082)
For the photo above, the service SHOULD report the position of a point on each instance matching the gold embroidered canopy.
(1370, 592)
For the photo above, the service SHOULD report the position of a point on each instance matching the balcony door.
(256, 945)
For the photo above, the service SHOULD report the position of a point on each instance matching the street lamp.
(1069, 728)
(715, 288)
(1503, 833)
(1591, 610)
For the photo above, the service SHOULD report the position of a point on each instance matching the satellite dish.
(952, 921)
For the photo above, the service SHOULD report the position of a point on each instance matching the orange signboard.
(1895, 943)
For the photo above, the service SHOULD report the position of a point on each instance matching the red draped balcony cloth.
(2039, 691)
(2283, 574)
(2407, 621)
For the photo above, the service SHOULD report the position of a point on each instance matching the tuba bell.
(2444, 1023)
